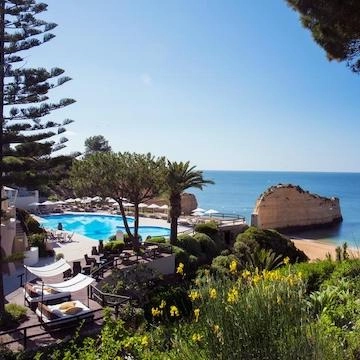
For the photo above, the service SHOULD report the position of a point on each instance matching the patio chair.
(76, 267)
(90, 260)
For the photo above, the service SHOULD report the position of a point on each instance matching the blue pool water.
(97, 226)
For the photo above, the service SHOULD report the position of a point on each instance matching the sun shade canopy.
(53, 269)
(80, 281)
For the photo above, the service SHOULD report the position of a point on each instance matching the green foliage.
(157, 239)
(14, 315)
(209, 228)
(138, 177)
(172, 295)
(96, 143)
(334, 26)
(221, 264)
(29, 142)
(314, 274)
(38, 240)
(179, 177)
(262, 259)
(189, 244)
(181, 256)
(114, 246)
(30, 225)
(272, 240)
(208, 247)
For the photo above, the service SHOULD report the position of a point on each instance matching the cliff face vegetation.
(291, 207)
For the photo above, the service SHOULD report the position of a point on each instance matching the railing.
(107, 299)
(57, 325)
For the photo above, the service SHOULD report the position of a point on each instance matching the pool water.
(98, 226)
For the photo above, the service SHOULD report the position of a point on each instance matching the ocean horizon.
(236, 192)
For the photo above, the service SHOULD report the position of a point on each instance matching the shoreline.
(318, 249)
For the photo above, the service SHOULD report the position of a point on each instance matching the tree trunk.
(126, 225)
(136, 242)
(175, 211)
(2, 73)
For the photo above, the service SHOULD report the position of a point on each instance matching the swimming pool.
(98, 226)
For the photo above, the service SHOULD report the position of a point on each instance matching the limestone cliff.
(291, 207)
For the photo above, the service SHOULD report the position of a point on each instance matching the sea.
(236, 192)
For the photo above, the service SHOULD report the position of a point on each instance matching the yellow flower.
(233, 266)
(279, 300)
(216, 328)
(256, 278)
(162, 304)
(180, 269)
(174, 311)
(197, 314)
(233, 295)
(286, 260)
(155, 312)
(144, 341)
(194, 295)
(213, 293)
(196, 337)
(246, 273)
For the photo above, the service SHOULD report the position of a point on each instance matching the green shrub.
(188, 243)
(208, 246)
(181, 256)
(314, 274)
(209, 228)
(221, 264)
(112, 238)
(14, 315)
(38, 240)
(114, 246)
(29, 224)
(156, 239)
(269, 240)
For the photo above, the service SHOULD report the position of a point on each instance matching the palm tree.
(180, 176)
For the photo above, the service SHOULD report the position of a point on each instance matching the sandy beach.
(315, 249)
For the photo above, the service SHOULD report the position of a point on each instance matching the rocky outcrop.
(188, 203)
(289, 207)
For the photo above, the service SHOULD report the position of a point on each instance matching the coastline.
(315, 249)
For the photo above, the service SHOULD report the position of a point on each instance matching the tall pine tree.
(27, 139)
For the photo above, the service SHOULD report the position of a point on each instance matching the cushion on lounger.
(66, 305)
(46, 311)
(73, 310)
(29, 289)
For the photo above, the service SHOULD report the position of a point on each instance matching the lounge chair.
(35, 293)
(56, 315)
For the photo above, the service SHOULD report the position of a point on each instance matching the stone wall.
(290, 207)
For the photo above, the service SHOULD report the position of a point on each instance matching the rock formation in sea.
(289, 207)
(188, 203)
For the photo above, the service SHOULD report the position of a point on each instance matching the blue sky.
(228, 85)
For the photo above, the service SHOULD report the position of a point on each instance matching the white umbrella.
(198, 210)
(198, 213)
(34, 204)
(71, 200)
(211, 212)
(77, 200)
(153, 206)
(165, 207)
(96, 198)
(60, 202)
(111, 200)
(128, 204)
(47, 202)
(142, 205)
